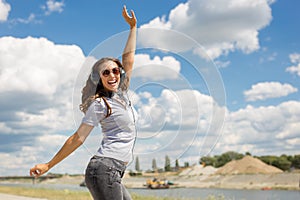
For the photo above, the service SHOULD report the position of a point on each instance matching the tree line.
(283, 162)
(167, 166)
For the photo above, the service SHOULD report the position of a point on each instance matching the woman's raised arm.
(129, 50)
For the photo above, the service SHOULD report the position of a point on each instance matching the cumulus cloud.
(157, 68)
(171, 123)
(179, 108)
(221, 27)
(37, 78)
(259, 130)
(53, 6)
(36, 65)
(266, 90)
(36, 86)
(263, 130)
(295, 68)
(4, 10)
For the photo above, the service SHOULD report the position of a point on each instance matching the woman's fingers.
(38, 170)
(132, 13)
(34, 171)
(125, 13)
(131, 20)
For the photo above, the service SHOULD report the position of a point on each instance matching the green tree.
(268, 159)
(282, 163)
(296, 161)
(227, 157)
(177, 165)
(208, 161)
(154, 165)
(167, 164)
(186, 164)
(137, 164)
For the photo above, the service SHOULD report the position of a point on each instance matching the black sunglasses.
(115, 71)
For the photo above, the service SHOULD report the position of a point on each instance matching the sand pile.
(247, 165)
(198, 170)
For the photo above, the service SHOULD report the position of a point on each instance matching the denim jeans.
(103, 179)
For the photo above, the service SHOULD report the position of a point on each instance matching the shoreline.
(278, 181)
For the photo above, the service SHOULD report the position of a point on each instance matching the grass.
(46, 193)
(52, 194)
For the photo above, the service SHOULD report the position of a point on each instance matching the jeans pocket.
(91, 173)
(114, 177)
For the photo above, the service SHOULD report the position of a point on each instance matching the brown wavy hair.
(92, 91)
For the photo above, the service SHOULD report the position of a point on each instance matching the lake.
(228, 194)
(192, 193)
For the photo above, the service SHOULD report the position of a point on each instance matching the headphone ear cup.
(122, 77)
(95, 77)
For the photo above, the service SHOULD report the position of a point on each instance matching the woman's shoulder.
(98, 103)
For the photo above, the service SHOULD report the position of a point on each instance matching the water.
(191, 193)
(227, 194)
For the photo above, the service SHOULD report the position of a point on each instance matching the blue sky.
(227, 80)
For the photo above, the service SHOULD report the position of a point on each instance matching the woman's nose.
(111, 74)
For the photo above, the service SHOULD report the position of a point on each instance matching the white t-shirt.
(118, 129)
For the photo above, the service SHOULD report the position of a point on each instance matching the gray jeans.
(103, 179)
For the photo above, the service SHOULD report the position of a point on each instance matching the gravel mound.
(248, 165)
(198, 170)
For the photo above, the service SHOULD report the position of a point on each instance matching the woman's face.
(110, 76)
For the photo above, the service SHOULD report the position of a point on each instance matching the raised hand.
(131, 20)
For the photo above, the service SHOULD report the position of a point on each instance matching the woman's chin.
(112, 89)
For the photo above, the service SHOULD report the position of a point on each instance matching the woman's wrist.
(132, 27)
(49, 165)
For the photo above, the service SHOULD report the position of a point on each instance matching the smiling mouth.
(112, 82)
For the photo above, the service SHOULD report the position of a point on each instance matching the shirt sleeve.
(95, 113)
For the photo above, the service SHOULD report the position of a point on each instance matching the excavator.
(158, 184)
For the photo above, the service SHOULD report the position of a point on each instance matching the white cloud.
(157, 68)
(4, 10)
(181, 108)
(36, 83)
(53, 6)
(295, 59)
(31, 19)
(171, 123)
(266, 90)
(36, 87)
(220, 26)
(263, 130)
(36, 65)
(222, 64)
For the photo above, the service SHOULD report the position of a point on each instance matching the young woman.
(105, 101)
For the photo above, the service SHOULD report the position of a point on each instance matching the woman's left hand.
(130, 20)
